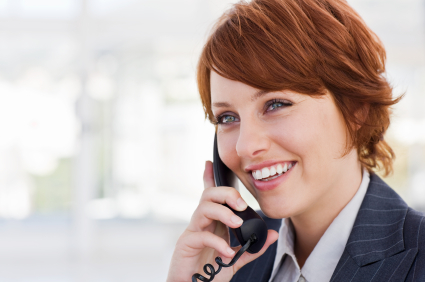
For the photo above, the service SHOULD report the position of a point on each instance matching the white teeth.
(259, 176)
(279, 169)
(265, 172)
(272, 171)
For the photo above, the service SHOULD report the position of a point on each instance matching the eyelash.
(218, 120)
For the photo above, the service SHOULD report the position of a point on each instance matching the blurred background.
(103, 139)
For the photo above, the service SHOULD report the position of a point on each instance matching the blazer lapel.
(376, 245)
(376, 249)
(378, 230)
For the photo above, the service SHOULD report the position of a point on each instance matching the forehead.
(223, 88)
(224, 91)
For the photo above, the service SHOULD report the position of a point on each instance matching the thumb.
(208, 175)
(247, 257)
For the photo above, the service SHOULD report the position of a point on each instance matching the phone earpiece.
(252, 221)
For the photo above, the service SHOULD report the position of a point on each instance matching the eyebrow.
(258, 94)
(254, 97)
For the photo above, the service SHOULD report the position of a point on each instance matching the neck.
(310, 226)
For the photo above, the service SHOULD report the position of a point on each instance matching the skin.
(207, 236)
(294, 127)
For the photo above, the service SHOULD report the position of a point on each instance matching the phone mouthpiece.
(252, 224)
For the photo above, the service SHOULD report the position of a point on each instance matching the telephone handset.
(252, 222)
(252, 234)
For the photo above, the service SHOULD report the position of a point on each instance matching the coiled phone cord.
(209, 269)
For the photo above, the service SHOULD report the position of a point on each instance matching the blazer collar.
(378, 230)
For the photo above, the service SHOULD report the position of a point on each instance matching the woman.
(297, 91)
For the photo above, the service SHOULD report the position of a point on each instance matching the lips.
(271, 172)
(272, 181)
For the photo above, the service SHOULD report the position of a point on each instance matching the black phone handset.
(252, 234)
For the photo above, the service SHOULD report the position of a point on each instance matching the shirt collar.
(322, 261)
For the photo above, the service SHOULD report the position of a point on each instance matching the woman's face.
(265, 133)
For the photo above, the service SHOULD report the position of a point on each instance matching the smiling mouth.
(272, 172)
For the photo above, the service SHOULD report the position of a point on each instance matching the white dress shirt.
(322, 261)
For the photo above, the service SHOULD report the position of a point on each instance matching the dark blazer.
(387, 243)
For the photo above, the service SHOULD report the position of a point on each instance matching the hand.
(207, 235)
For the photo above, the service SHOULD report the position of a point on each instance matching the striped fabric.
(387, 243)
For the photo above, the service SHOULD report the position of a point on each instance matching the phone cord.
(209, 269)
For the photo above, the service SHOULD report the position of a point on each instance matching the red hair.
(310, 47)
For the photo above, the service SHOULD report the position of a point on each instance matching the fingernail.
(236, 219)
(241, 204)
(230, 251)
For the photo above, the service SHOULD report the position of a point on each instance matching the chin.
(274, 211)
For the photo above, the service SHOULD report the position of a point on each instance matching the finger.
(208, 175)
(272, 236)
(224, 195)
(207, 212)
(199, 240)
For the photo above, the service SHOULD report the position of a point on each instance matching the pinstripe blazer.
(387, 243)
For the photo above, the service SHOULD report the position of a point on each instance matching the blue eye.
(274, 104)
(226, 119)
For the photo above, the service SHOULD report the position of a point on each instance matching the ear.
(361, 115)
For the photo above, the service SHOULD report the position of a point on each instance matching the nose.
(252, 141)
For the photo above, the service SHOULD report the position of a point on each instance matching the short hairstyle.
(311, 47)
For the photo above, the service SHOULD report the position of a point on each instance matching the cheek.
(333, 132)
(226, 149)
(299, 136)
(315, 137)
